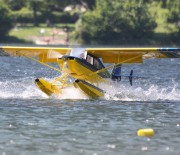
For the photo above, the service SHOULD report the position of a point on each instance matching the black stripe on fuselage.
(84, 63)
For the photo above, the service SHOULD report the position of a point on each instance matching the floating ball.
(146, 132)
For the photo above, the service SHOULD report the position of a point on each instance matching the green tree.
(5, 20)
(118, 21)
(35, 5)
(174, 15)
(88, 4)
(44, 10)
(162, 2)
(15, 4)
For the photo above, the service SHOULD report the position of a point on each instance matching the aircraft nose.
(37, 80)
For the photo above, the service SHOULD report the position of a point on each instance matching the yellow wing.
(132, 55)
(45, 54)
(108, 55)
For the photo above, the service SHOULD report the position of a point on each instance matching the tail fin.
(130, 77)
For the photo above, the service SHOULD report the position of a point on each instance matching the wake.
(25, 88)
(140, 93)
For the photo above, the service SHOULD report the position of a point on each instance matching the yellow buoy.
(146, 132)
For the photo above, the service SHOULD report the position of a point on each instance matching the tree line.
(104, 21)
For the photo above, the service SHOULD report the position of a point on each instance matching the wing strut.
(116, 66)
(111, 66)
(45, 64)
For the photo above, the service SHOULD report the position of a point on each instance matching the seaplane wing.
(132, 55)
(45, 54)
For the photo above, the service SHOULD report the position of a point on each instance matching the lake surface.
(32, 123)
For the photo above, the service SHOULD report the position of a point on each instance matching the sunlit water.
(32, 123)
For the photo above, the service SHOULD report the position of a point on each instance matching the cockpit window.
(97, 64)
(94, 61)
(83, 55)
(89, 59)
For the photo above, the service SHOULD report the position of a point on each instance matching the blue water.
(32, 123)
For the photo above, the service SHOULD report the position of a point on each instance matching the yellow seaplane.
(86, 66)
